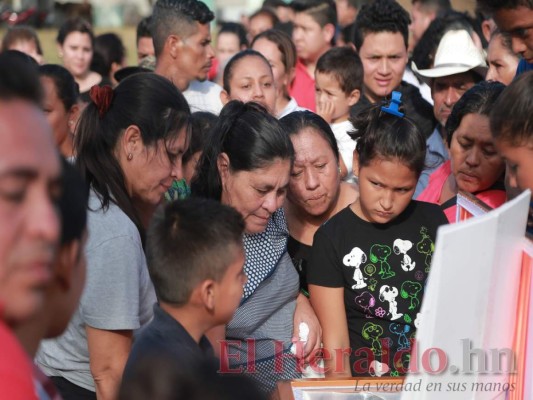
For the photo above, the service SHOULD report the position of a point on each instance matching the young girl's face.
(386, 187)
(252, 80)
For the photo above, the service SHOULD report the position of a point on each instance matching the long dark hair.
(148, 101)
(250, 136)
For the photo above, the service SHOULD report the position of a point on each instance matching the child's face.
(384, 57)
(331, 99)
(310, 39)
(386, 187)
(475, 163)
(230, 287)
(519, 160)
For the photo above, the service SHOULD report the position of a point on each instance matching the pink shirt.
(431, 194)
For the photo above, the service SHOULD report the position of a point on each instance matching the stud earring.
(130, 156)
(70, 122)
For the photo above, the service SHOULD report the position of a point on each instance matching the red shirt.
(303, 87)
(16, 382)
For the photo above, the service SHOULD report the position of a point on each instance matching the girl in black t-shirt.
(369, 263)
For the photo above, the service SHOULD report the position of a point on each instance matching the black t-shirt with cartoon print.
(383, 269)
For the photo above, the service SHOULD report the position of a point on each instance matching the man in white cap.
(458, 66)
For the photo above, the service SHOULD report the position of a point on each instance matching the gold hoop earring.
(130, 156)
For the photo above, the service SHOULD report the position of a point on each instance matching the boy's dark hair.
(75, 25)
(345, 65)
(491, 6)
(19, 77)
(178, 17)
(381, 16)
(188, 242)
(144, 28)
(201, 124)
(383, 135)
(73, 204)
(237, 29)
(295, 122)
(250, 136)
(21, 33)
(108, 49)
(511, 117)
(67, 88)
(479, 99)
(232, 63)
(322, 11)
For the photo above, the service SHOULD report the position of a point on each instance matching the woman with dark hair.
(60, 104)
(279, 50)
(474, 165)
(316, 191)
(248, 77)
(75, 41)
(246, 164)
(369, 262)
(109, 56)
(129, 145)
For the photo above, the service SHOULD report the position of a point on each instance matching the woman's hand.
(305, 313)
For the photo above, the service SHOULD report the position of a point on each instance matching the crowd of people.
(222, 217)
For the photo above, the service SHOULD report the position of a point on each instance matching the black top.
(383, 270)
(300, 254)
(164, 336)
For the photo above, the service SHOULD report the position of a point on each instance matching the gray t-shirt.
(118, 293)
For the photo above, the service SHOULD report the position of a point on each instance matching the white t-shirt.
(204, 96)
(346, 144)
(291, 106)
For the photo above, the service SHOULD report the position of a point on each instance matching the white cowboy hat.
(456, 54)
